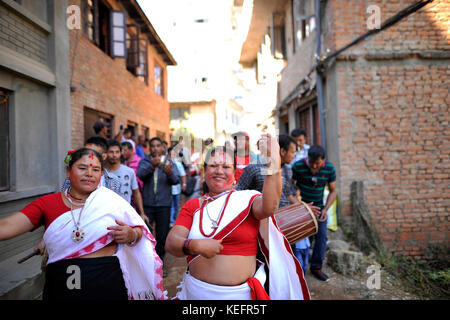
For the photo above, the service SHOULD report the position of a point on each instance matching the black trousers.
(85, 279)
(161, 217)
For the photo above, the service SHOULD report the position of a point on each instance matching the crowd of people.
(128, 200)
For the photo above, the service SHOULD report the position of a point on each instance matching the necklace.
(77, 233)
(215, 222)
(70, 194)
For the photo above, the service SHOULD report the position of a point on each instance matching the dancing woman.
(219, 234)
(99, 247)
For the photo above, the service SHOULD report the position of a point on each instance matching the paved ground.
(339, 287)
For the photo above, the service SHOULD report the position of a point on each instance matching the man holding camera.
(158, 173)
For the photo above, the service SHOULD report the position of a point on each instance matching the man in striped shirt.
(312, 175)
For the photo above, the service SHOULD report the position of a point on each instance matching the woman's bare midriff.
(224, 270)
(107, 251)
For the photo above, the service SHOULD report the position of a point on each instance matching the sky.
(200, 36)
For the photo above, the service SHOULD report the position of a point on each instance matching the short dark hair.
(127, 130)
(155, 138)
(316, 152)
(298, 132)
(80, 153)
(127, 144)
(112, 143)
(285, 141)
(98, 126)
(98, 141)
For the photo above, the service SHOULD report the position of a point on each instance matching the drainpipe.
(319, 75)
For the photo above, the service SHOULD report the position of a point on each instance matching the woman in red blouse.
(86, 226)
(219, 232)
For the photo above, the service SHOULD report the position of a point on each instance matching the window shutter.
(142, 70)
(118, 34)
(96, 26)
(133, 47)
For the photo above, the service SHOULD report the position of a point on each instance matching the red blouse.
(45, 210)
(242, 241)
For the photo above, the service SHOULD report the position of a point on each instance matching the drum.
(296, 221)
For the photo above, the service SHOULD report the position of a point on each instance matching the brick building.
(55, 82)
(121, 89)
(385, 108)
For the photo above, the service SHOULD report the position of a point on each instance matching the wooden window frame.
(137, 59)
(95, 25)
(86, 8)
(113, 28)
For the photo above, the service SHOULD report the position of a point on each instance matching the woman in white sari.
(219, 234)
(99, 247)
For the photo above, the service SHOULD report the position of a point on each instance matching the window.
(137, 57)
(279, 43)
(304, 20)
(90, 17)
(308, 119)
(91, 116)
(145, 132)
(161, 135)
(4, 140)
(159, 80)
(277, 35)
(179, 113)
(105, 27)
(133, 127)
(118, 34)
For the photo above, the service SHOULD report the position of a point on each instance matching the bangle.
(135, 239)
(186, 247)
(269, 171)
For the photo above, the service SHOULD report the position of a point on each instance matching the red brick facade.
(393, 117)
(104, 84)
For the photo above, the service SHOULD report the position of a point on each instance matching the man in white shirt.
(302, 148)
(126, 175)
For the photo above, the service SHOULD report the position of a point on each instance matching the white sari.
(285, 273)
(140, 265)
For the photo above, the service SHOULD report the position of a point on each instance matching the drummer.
(312, 175)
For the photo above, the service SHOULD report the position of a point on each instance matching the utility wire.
(386, 24)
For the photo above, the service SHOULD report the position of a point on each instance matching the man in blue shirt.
(159, 174)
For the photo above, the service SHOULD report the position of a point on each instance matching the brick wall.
(426, 29)
(18, 34)
(104, 84)
(393, 121)
(395, 137)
